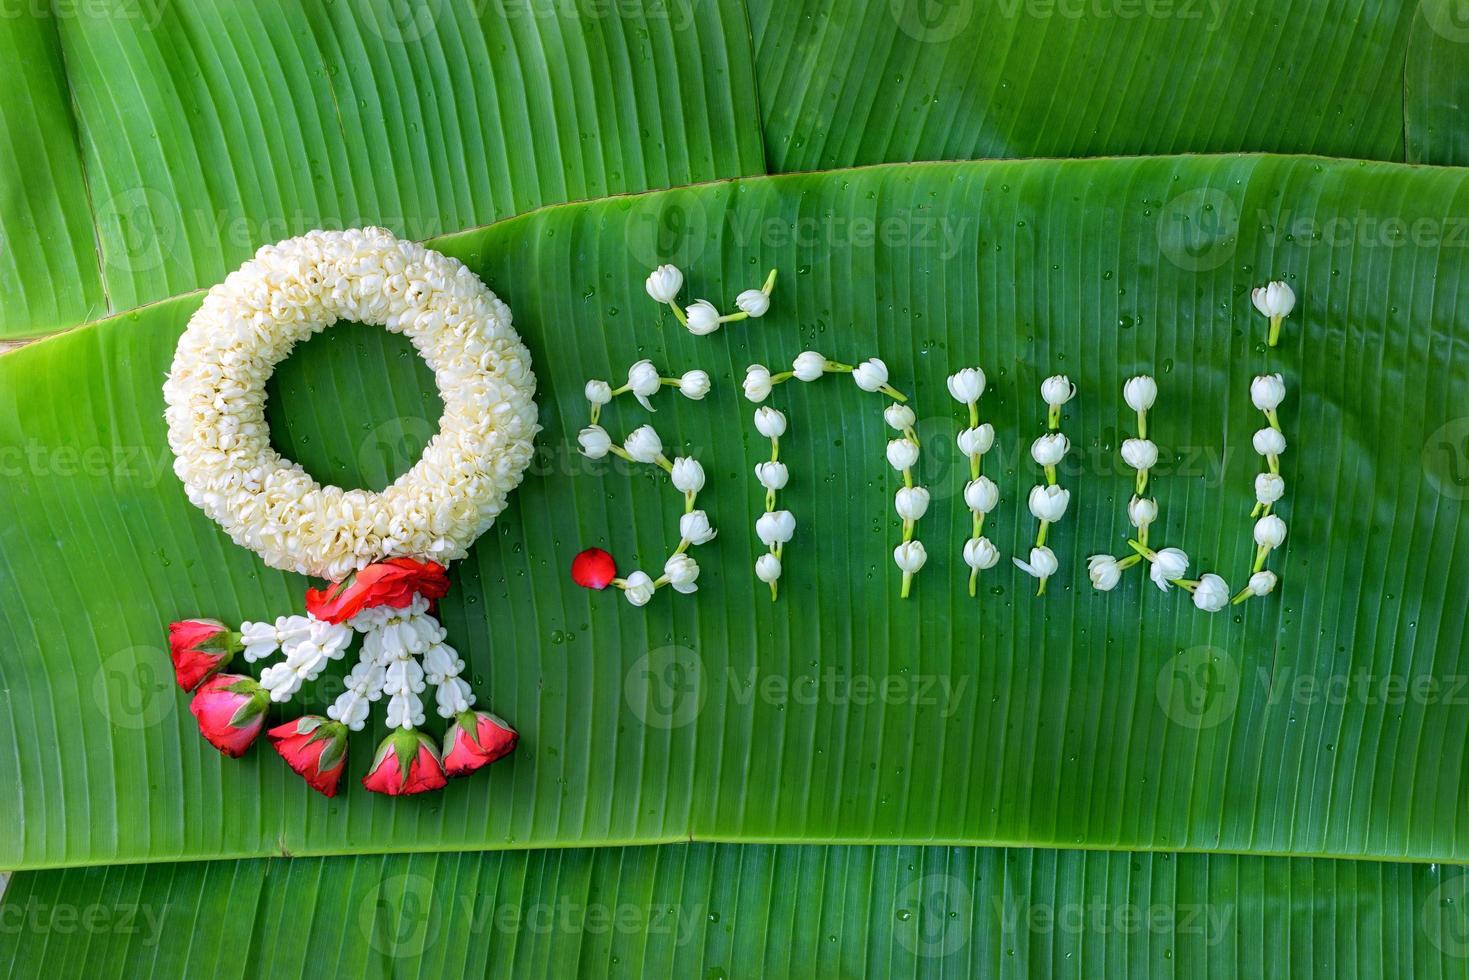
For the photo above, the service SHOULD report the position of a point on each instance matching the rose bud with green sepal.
(315, 748)
(200, 648)
(230, 709)
(407, 762)
(476, 739)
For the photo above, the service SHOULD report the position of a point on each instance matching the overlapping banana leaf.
(964, 79)
(840, 713)
(154, 146)
(721, 910)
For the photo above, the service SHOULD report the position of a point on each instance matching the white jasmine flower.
(598, 392)
(1140, 454)
(977, 441)
(911, 503)
(899, 416)
(1169, 564)
(966, 385)
(1057, 390)
(980, 554)
(638, 588)
(1142, 511)
(770, 422)
(1269, 487)
(757, 382)
(809, 365)
(1262, 583)
(703, 318)
(595, 442)
(664, 283)
(1049, 503)
(753, 302)
(1104, 572)
(910, 556)
(981, 495)
(767, 568)
(642, 380)
(902, 454)
(694, 528)
(871, 374)
(1267, 392)
(1042, 563)
(1212, 593)
(772, 474)
(687, 475)
(682, 573)
(1270, 531)
(694, 385)
(1049, 449)
(775, 527)
(643, 445)
(1275, 299)
(1269, 441)
(1140, 393)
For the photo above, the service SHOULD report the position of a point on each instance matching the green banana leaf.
(965, 79)
(1436, 87)
(1127, 720)
(175, 139)
(156, 145)
(721, 910)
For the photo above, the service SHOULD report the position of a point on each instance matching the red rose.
(393, 582)
(407, 762)
(315, 748)
(476, 739)
(593, 569)
(200, 648)
(230, 709)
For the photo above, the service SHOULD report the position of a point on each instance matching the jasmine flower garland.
(1167, 566)
(594, 568)
(1141, 454)
(1048, 501)
(384, 554)
(703, 317)
(776, 527)
(215, 394)
(1267, 392)
(981, 495)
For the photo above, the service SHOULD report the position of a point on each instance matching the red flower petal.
(593, 569)
(393, 582)
(476, 739)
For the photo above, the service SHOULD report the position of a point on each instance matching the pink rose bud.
(476, 739)
(315, 748)
(407, 762)
(230, 709)
(200, 648)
